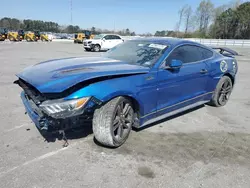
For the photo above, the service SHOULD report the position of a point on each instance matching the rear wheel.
(222, 92)
(112, 122)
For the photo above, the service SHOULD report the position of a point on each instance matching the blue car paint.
(158, 91)
(59, 75)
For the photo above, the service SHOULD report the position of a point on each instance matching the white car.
(50, 36)
(102, 42)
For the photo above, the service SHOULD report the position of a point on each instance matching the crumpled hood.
(58, 75)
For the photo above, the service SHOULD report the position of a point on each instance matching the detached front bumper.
(46, 124)
(33, 116)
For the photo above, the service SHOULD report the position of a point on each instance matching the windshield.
(99, 36)
(20, 32)
(87, 32)
(144, 53)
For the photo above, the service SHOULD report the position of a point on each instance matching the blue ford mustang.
(134, 84)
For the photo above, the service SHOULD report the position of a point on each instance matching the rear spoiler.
(224, 49)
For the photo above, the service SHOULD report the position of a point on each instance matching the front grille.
(31, 92)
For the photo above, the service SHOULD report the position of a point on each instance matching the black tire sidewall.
(103, 123)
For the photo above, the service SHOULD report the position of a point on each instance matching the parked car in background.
(102, 42)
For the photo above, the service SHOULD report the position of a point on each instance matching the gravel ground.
(206, 147)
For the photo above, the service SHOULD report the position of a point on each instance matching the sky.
(140, 16)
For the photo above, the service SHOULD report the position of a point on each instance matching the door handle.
(203, 71)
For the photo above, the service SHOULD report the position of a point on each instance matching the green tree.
(93, 30)
(127, 32)
(243, 16)
(232, 23)
(204, 15)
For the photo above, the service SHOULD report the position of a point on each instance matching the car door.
(184, 86)
(107, 43)
(117, 40)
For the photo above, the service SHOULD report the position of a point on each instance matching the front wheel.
(97, 48)
(112, 122)
(222, 92)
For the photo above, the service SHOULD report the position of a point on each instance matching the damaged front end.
(52, 114)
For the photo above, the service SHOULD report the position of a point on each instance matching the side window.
(186, 53)
(117, 37)
(108, 37)
(206, 53)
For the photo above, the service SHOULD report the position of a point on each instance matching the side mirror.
(103, 39)
(175, 64)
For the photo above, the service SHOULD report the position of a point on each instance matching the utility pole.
(71, 18)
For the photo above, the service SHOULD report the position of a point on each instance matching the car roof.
(109, 34)
(167, 41)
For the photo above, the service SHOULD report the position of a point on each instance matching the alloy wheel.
(122, 121)
(225, 92)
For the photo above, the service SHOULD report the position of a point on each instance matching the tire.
(222, 92)
(11, 39)
(111, 125)
(96, 48)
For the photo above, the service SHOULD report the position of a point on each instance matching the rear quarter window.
(206, 54)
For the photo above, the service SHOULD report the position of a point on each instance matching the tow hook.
(65, 144)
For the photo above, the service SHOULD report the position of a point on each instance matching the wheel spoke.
(116, 126)
(126, 125)
(225, 85)
(221, 98)
(126, 109)
(120, 130)
(119, 110)
(228, 89)
(224, 98)
(127, 120)
(116, 123)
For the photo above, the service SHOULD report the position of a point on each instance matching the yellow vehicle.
(45, 37)
(79, 37)
(3, 34)
(32, 36)
(16, 35)
(12, 35)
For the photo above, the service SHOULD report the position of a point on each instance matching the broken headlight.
(61, 108)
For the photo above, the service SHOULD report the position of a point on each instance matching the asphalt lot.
(207, 147)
